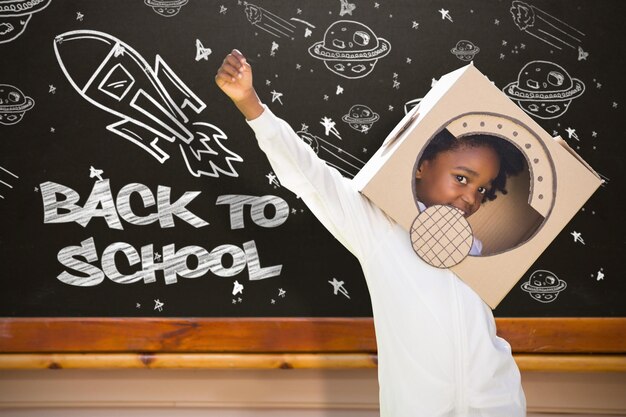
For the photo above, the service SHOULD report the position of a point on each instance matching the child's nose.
(469, 198)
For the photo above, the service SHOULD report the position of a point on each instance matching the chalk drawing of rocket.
(153, 104)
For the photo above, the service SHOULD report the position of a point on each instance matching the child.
(463, 173)
(438, 353)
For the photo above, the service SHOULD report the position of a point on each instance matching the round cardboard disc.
(441, 236)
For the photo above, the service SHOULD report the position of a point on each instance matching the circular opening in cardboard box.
(513, 218)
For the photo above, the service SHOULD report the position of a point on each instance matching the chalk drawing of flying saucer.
(166, 8)
(544, 286)
(544, 89)
(360, 117)
(465, 50)
(350, 49)
(13, 104)
(15, 14)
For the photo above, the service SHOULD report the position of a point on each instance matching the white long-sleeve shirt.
(438, 353)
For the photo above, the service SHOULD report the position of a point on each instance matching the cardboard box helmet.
(516, 227)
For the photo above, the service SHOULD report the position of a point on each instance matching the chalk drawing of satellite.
(153, 104)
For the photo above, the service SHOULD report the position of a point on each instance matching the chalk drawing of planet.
(544, 89)
(544, 286)
(360, 117)
(167, 8)
(15, 14)
(13, 104)
(465, 50)
(350, 49)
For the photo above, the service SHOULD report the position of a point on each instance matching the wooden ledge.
(279, 335)
(526, 362)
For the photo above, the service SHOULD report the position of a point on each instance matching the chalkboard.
(120, 158)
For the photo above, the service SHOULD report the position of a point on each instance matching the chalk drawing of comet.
(153, 104)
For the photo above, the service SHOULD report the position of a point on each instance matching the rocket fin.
(207, 155)
(181, 95)
(143, 137)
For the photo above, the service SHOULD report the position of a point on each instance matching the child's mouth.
(466, 214)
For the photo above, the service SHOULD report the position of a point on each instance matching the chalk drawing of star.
(445, 14)
(329, 125)
(338, 287)
(272, 179)
(93, 172)
(577, 237)
(571, 133)
(201, 51)
(237, 288)
(276, 96)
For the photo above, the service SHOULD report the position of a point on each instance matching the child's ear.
(418, 173)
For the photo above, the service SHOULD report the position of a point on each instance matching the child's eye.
(482, 190)
(462, 179)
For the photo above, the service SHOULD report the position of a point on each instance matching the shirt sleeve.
(349, 216)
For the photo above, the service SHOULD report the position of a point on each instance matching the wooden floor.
(277, 392)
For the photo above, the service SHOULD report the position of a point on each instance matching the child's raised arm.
(331, 197)
(234, 78)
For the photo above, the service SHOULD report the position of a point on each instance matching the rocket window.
(117, 82)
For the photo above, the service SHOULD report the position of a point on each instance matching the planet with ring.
(465, 50)
(167, 8)
(350, 49)
(13, 104)
(544, 89)
(544, 286)
(360, 117)
(15, 14)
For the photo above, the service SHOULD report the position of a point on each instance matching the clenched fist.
(234, 78)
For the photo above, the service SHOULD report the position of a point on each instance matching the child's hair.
(511, 158)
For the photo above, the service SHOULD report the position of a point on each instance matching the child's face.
(458, 177)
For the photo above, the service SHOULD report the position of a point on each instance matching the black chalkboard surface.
(131, 187)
